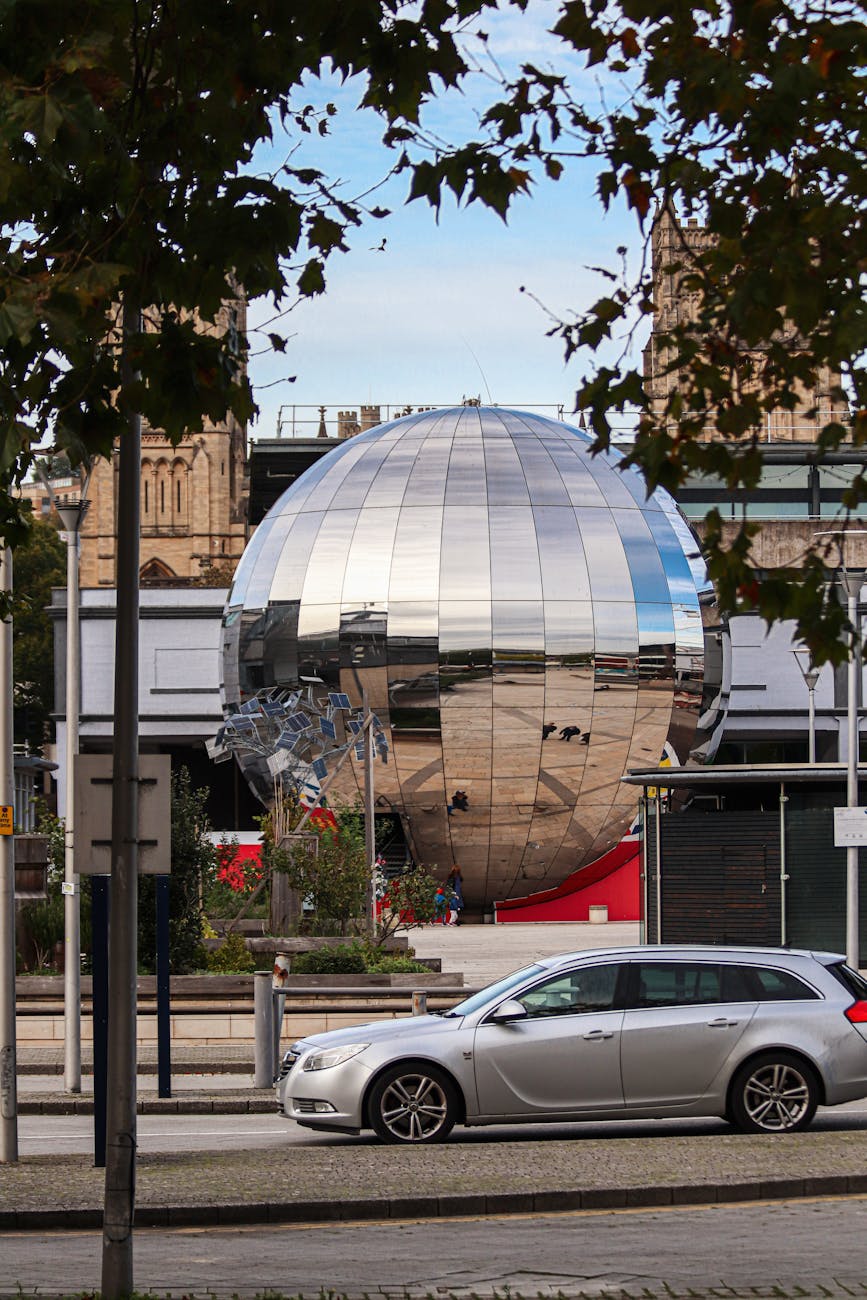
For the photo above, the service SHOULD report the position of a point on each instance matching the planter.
(397, 980)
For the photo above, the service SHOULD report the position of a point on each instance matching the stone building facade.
(194, 501)
(798, 496)
(676, 304)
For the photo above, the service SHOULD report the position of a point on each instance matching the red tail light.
(857, 1013)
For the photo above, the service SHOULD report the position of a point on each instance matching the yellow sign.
(6, 819)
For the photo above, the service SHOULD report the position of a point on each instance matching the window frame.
(618, 1001)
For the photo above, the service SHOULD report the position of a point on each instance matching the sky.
(438, 315)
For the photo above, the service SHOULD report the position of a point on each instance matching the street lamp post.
(852, 581)
(72, 512)
(810, 675)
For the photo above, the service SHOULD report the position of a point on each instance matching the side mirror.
(508, 1011)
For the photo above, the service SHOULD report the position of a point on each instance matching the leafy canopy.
(749, 117)
(128, 133)
(40, 564)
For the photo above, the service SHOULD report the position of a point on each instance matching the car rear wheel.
(413, 1103)
(776, 1092)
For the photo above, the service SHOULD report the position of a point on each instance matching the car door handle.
(721, 1023)
(596, 1035)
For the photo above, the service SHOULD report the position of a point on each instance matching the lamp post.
(72, 512)
(810, 675)
(8, 1067)
(852, 581)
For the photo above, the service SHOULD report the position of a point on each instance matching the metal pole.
(369, 827)
(72, 895)
(812, 723)
(263, 1020)
(784, 799)
(100, 888)
(8, 1067)
(164, 1015)
(117, 1234)
(852, 583)
(642, 805)
(658, 818)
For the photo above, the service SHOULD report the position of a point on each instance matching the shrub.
(385, 964)
(342, 959)
(231, 958)
(354, 959)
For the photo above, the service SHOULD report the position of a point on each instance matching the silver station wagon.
(760, 1037)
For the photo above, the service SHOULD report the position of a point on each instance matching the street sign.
(850, 827)
(93, 800)
(7, 819)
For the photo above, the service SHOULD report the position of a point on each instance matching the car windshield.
(493, 991)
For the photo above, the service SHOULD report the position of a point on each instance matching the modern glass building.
(525, 622)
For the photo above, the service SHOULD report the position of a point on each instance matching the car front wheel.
(413, 1103)
(776, 1092)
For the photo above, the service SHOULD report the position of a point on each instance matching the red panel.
(613, 880)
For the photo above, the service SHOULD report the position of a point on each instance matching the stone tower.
(193, 501)
(675, 304)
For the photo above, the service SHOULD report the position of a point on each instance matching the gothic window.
(155, 571)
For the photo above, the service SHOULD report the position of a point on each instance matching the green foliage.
(193, 863)
(43, 921)
(388, 964)
(231, 958)
(40, 564)
(409, 902)
(336, 879)
(342, 959)
(127, 134)
(749, 118)
(43, 924)
(356, 958)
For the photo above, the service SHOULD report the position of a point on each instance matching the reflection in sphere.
(494, 588)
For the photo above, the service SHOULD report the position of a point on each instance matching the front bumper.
(332, 1098)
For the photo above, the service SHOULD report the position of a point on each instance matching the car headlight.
(331, 1056)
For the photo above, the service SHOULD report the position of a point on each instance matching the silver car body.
(635, 1060)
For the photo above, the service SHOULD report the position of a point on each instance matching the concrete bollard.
(598, 914)
(263, 1019)
(419, 1002)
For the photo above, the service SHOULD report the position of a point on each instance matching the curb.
(444, 1207)
(184, 1104)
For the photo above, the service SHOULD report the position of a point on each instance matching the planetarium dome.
(526, 623)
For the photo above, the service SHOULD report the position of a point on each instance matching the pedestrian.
(566, 733)
(440, 906)
(455, 889)
(460, 800)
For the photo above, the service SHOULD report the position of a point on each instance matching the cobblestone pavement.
(787, 1250)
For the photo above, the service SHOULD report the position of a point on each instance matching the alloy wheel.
(414, 1108)
(776, 1097)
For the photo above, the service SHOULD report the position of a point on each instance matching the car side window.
(780, 986)
(676, 984)
(575, 992)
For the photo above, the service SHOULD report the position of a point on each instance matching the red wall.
(613, 880)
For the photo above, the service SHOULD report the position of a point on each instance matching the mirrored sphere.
(526, 623)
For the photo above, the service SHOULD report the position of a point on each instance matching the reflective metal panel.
(525, 625)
